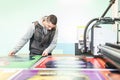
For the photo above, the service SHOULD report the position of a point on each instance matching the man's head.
(50, 21)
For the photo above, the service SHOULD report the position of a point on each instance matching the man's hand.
(45, 53)
(11, 54)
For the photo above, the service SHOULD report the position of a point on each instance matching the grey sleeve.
(53, 43)
(24, 39)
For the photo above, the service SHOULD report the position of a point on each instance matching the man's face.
(49, 25)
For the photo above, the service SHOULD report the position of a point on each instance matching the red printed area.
(97, 62)
(4, 62)
(44, 61)
(78, 62)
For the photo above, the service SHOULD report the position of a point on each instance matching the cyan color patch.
(65, 48)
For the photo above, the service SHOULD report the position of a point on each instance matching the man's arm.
(52, 45)
(23, 40)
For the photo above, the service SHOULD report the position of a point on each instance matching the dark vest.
(40, 41)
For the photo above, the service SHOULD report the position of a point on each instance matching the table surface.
(53, 68)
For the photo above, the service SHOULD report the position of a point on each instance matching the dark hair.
(52, 18)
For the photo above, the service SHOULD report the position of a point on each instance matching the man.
(42, 36)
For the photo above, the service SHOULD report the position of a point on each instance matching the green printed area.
(18, 61)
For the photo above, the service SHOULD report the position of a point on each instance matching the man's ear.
(43, 22)
(44, 18)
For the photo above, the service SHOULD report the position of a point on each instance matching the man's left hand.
(45, 53)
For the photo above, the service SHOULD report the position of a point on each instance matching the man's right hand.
(11, 54)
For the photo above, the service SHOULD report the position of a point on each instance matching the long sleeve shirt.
(29, 34)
